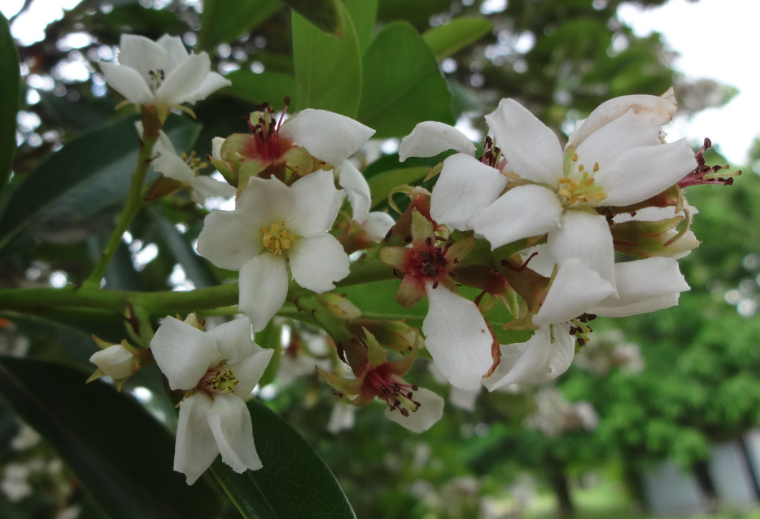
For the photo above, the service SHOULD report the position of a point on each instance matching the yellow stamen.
(277, 238)
(225, 381)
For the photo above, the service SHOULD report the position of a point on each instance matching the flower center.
(225, 381)
(396, 394)
(277, 238)
(492, 155)
(194, 162)
(580, 329)
(428, 261)
(265, 128)
(157, 77)
(577, 186)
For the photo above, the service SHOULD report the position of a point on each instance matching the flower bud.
(115, 361)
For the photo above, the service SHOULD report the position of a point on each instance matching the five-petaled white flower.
(376, 224)
(219, 370)
(616, 157)
(643, 286)
(274, 225)
(161, 72)
(185, 169)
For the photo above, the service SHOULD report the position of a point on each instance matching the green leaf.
(294, 483)
(402, 85)
(9, 93)
(364, 15)
(222, 21)
(381, 185)
(328, 70)
(328, 15)
(270, 338)
(120, 454)
(270, 87)
(89, 174)
(376, 301)
(448, 39)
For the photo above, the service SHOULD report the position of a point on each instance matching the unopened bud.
(115, 361)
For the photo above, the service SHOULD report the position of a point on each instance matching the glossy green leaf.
(447, 39)
(328, 69)
(9, 93)
(120, 454)
(86, 176)
(328, 15)
(222, 21)
(270, 338)
(364, 15)
(270, 87)
(294, 483)
(402, 85)
(376, 301)
(381, 185)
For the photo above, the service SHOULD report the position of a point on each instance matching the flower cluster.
(530, 239)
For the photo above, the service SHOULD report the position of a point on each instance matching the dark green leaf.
(270, 87)
(147, 22)
(294, 483)
(447, 39)
(402, 85)
(120, 454)
(222, 21)
(270, 338)
(86, 176)
(9, 93)
(381, 185)
(328, 15)
(328, 70)
(364, 15)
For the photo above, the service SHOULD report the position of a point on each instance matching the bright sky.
(716, 39)
(712, 38)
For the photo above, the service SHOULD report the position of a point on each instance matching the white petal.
(430, 138)
(357, 190)
(531, 148)
(229, 239)
(429, 412)
(314, 211)
(183, 353)
(115, 361)
(175, 51)
(463, 399)
(641, 307)
(249, 369)
(341, 417)
(195, 448)
(171, 165)
(377, 225)
(230, 423)
(521, 212)
(184, 80)
(658, 110)
(141, 54)
(204, 187)
(586, 237)
(263, 288)
(642, 280)
(326, 135)
(216, 147)
(543, 357)
(575, 290)
(318, 263)
(128, 82)
(543, 262)
(267, 201)
(457, 336)
(641, 173)
(208, 86)
(625, 132)
(464, 187)
(234, 339)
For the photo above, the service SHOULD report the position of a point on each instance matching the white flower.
(115, 361)
(615, 158)
(161, 72)
(644, 286)
(375, 224)
(683, 245)
(166, 161)
(461, 398)
(274, 225)
(341, 417)
(219, 369)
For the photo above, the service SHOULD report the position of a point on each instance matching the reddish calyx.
(704, 174)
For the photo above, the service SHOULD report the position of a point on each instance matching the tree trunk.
(635, 486)
(561, 488)
(706, 484)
